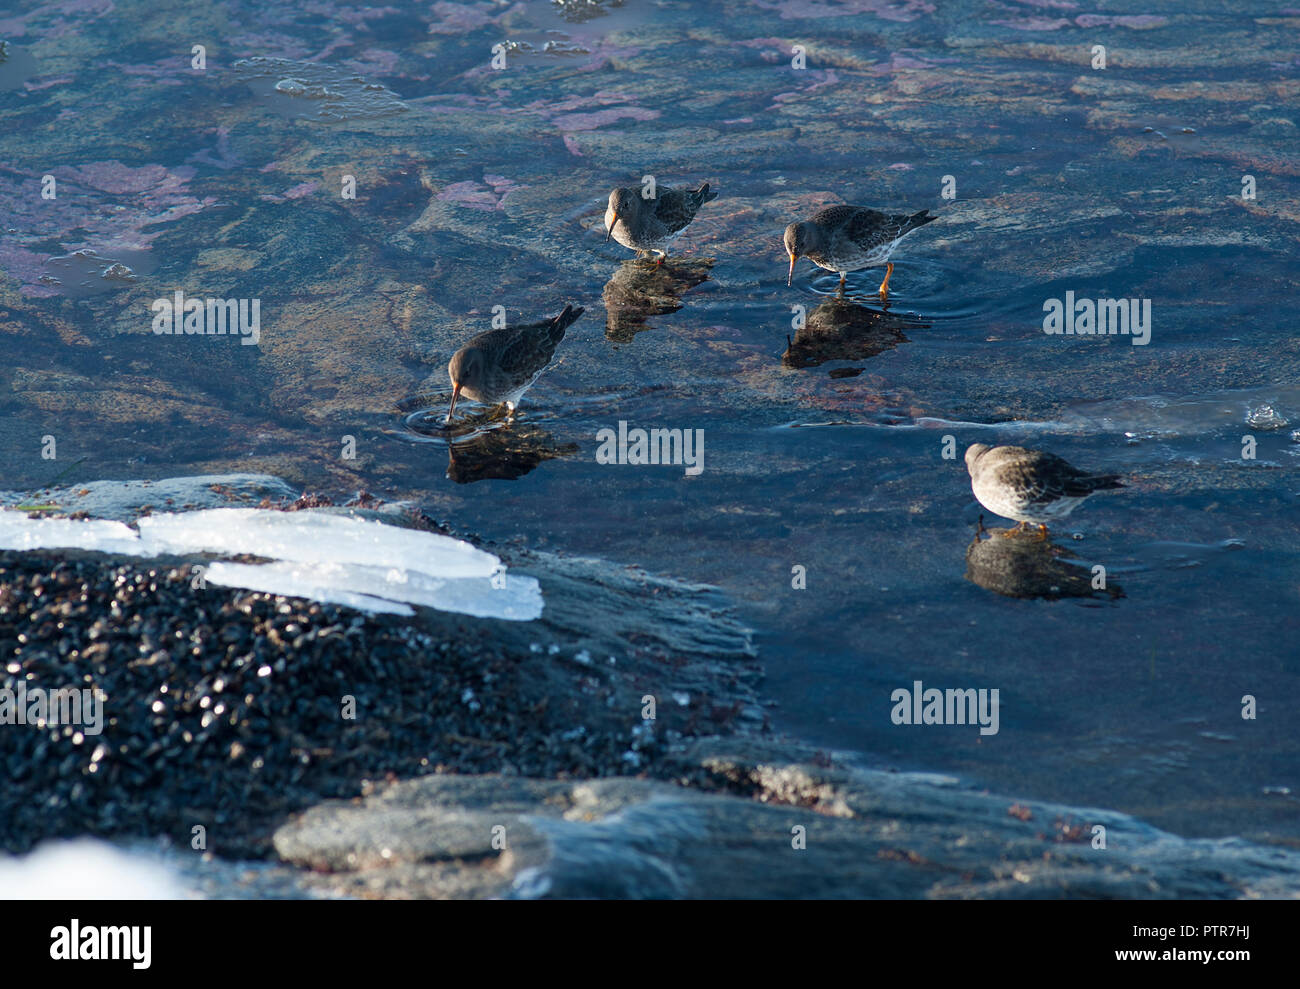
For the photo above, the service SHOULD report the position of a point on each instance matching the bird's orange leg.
(884, 286)
(1042, 531)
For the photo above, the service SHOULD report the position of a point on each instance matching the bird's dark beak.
(455, 394)
(610, 232)
(790, 277)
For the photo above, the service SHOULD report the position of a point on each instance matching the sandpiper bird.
(1030, 486)
(651, 224)
(848, 238)
(500, 365)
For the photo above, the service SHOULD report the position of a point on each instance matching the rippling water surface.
(824, 444)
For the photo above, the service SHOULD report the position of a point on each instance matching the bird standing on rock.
(651, 224)
(849, 238)
(1030, 486)
(500, 365)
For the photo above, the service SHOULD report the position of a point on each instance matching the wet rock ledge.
(736, 832)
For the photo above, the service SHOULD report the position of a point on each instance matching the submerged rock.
(762, 820)
(317, 90)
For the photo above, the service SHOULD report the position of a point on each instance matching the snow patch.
(86, 869)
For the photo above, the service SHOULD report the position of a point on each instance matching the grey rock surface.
(124, 501)
(866, 834)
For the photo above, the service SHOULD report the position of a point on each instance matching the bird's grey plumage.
(500, 365)
(1030, 485)
(652, 224)
(848, 238)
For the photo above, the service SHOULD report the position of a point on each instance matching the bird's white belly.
(855, 262)
(513, 397)
(646, 241)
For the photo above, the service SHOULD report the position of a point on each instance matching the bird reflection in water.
(840, 330)
(1026, 565)
(503, 454)
(639, 289)
(485, 445)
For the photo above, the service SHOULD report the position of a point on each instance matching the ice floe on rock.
(361, 563)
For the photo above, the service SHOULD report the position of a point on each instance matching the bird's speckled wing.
(530, 350)
(525, 350)
(835, 217)
(868, 228)
(871, 229)
(1041, 478)
(675, 208)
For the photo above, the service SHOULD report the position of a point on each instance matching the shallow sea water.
(478, 188)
